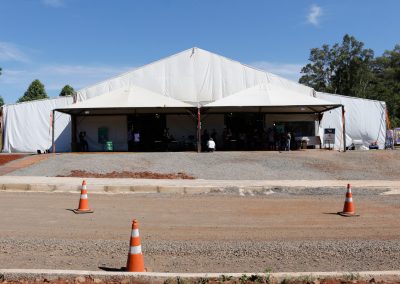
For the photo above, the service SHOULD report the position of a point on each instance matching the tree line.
(36, 91)
(350, 69)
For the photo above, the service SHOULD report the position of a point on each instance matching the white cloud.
(53, 3)
(286, 70)
(314, 15)
(11, 52)
(54, 77)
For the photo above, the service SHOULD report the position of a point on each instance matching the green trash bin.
(108, 146)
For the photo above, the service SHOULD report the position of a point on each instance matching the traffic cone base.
(83, 201)
(135, 263)
(77, 211)
(345, 214)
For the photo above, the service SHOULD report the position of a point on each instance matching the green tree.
(67, 91)
(1, 98)
(318, 74)
(350, 69)
(386, 82)
(35, 91)
(343, 68)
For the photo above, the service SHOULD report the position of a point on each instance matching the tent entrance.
(243, 131)
(145, 132)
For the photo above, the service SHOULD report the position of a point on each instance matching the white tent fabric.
(27, 126)
(132, 97)
(193, 76)
(365, 120)
(268, 95)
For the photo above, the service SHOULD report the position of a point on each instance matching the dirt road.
(200, 233)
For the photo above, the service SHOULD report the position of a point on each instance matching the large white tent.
(191, 79)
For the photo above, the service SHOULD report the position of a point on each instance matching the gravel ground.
(282, 231)
(294, 165)
(205, 256)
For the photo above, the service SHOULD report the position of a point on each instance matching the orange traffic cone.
(135, 261)
(348, 209)
(83, 201)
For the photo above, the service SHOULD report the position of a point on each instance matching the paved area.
(295, 165)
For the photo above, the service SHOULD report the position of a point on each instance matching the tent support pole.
(52, 132)
(344, 129)
(198, 130)
(74, 145)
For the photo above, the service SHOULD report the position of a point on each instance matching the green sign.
(108, 146)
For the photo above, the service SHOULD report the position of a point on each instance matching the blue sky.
(81, 42)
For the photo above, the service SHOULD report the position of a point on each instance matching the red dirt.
(126, 174)
(8, 158)
(258, 280)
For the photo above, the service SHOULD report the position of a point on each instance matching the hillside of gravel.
(294, 165)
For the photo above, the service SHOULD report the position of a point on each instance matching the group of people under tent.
(272, 139)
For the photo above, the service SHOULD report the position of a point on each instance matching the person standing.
(211, 145)
(390, 139)
(84, 146)
(288, 138)
(136, 140)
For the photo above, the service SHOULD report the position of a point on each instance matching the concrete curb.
(104, 189)
(102, 185)
(40, 274)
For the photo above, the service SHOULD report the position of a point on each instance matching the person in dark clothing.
(82, 142)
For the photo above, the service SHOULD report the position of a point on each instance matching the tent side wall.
(365, 120)
(27, 126)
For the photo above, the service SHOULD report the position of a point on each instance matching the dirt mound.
(8, 158)
(126, 174)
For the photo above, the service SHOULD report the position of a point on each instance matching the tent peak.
(165, 76)
(192, 50)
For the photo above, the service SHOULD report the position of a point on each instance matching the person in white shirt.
(136, 140)
(211, 145)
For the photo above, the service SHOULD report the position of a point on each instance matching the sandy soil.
(201, 233)
(126, 174)
(5, 158)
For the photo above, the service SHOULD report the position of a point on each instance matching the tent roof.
(273, 98)
(133, 97)
(193, 76)
(198, 77)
